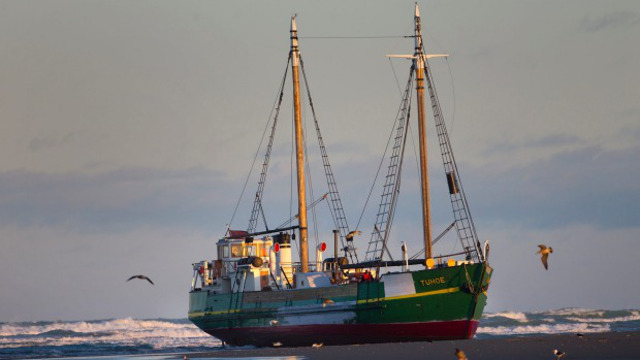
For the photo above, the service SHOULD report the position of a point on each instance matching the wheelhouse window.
(260, 250)
(249, 250)
(236, 250)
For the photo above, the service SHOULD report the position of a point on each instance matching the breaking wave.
(567, 320)
(100, 337)
(162, 336)
(517, 316)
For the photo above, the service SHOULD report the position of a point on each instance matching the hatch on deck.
(312, 280)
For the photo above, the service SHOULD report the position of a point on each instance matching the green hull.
(449, 298)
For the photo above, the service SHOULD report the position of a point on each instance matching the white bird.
(142, 277)
(545, 251)
(274, 322)
(558, 353)
(276, 344)
(317, 345)
(352, 234)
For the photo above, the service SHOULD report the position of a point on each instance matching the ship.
(254, 292)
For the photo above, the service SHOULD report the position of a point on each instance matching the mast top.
(419, 49)
(419, 55)
(294, 41)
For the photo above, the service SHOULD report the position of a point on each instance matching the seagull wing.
(542, 248)
(544, 261)
(141, 277)
(352, 234)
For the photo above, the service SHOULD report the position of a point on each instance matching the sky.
(127, 130)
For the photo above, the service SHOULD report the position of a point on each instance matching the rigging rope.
(375, 179)
(257, 205)
(382, 159)
(308, 172)
(453, 94)
(336, 209)
(392, 182)
(396, 192)
(395, 76)
(453, 90)
(358, 37)
(258, 150)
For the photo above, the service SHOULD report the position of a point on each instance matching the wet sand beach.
(595, 346)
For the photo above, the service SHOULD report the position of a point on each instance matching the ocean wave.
(573, 312)
(156, 334)
(518, 316)
(71, 333)
(9, 329)
(633, 317)
(542, 329)
(130, 336)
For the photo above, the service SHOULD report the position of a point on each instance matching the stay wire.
(358, 37)
(453, 94)
(384, 155)
(453, 89)
(413, 141)
(395, 76)
(244, 187)
(308, 167)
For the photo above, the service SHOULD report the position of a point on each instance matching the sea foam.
(129, 336)
(151, 334)
(518, 316)
(567, 320)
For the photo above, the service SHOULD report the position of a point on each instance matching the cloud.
(121, 199)
(586, 186)
(618, 19)
(46, 142)
(549, 141)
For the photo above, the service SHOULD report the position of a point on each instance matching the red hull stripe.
(305, 335)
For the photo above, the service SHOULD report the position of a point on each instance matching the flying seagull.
(558, 353)
(545, 251)
(352, 234)
(460, 354)
(141, 277)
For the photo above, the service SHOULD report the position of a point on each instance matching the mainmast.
(302, 198)
(419, 59)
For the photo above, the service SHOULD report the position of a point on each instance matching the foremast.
(302, 198)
